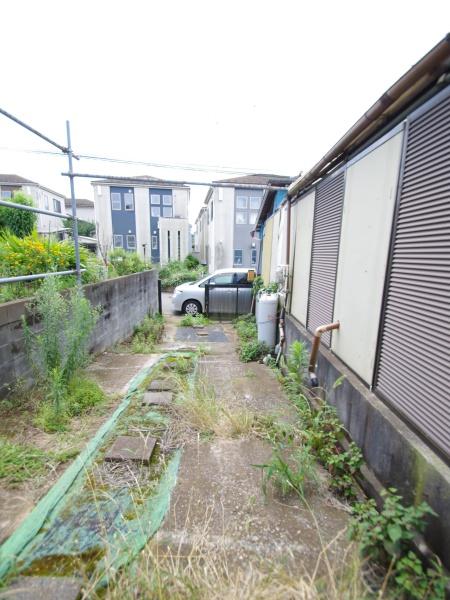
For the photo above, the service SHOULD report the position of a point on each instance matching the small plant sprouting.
(194, 320)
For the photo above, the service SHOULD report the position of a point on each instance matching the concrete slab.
(126, 447)
(213, 333)
(43, 588)
(219, 496)
(161, 385)
(160, 398)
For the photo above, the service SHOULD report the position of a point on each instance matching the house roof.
(15, 180)
(138, 180)
(125, 179)
(81, 203)
(259, 179)
(18, 180)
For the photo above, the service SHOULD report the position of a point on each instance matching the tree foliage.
(19, 222)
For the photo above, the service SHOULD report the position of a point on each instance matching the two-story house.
(226, 222)
(144, 215)
(43, 198)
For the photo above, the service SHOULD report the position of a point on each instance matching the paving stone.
(160, 398)
(126, 447)
(44, 588)
(161, 385)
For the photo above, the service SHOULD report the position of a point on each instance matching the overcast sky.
(262, 85)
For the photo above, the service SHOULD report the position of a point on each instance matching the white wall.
(180, 203)
(103, 216)
(45, 223)
(370, 192)
(142, 216)
(223, 227)
(174, 226)
(301, 246)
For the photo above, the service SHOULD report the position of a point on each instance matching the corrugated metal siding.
(414, 361)
(325, 250)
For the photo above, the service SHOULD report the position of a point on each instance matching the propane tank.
(266, 318)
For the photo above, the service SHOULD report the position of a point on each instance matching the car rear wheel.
(192, 307)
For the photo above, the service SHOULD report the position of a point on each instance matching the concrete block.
(126, 447)
(160, 398)
(44, 588)
(161, 385)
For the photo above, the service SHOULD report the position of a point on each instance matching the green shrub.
(191, 320)
(60, 346)
(386, 539)
(291, 471)
(85, 228)
(122, 262)
(34, 254)
(177, 272)
(18, 222)
(190, 262)
(252, 350)
(82, 395)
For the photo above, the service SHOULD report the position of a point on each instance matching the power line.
(181, 167)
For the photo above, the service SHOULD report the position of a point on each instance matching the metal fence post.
(159, 297)
(74, 205)
(207, 299)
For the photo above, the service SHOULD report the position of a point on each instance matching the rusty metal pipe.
(315, 349)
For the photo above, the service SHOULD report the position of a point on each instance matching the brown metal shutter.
(414, 360)
(325, 250)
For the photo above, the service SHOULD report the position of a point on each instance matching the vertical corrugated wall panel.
(414, 360)
(325, 250)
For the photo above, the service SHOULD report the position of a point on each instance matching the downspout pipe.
(314, 382)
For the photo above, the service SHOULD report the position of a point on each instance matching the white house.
(226, 222)
(43, 198)
(85, 209)
(143, 214)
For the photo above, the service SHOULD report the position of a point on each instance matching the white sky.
(269, 85)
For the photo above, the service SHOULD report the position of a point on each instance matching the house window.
(167, 200)
(56, 205)
(116, 201)
(6, 195)
(241, 218)
(154, 242)
(118, 240)
(241, 202)
(167, 211)
(238, 257)
(131, 242)
(46, 203)
(253, 257)
(255, 202)
(252, 217)
(156, 211)
(155, 199)
(128, 200)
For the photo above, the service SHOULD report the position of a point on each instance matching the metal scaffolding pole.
(74, 205)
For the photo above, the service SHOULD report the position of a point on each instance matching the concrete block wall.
(395, 455)
(123, 301)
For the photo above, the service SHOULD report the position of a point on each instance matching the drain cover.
(127, 447)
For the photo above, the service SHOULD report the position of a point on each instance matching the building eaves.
(15, 180)
(81, 203)
(259, 179)
(422, 76)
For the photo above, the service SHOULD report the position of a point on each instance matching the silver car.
(234, 297)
